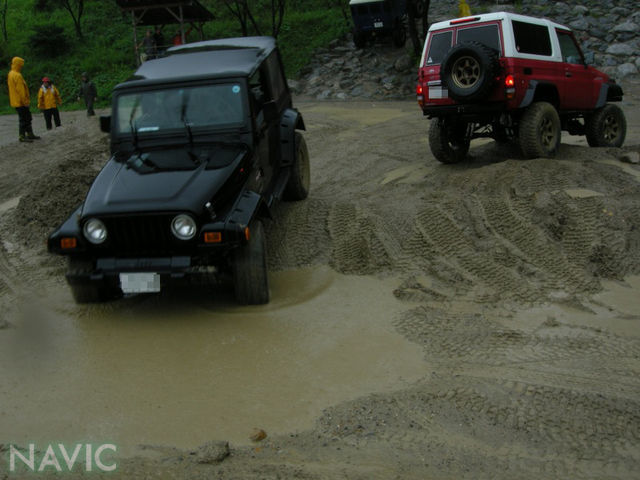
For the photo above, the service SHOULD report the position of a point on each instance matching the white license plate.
(140, 282)
(378, 24)
(438, 92)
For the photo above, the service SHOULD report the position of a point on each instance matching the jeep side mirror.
(105, 123)
(589, 58)
(270, 111)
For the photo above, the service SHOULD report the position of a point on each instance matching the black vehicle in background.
(380, 18)
(204, 142)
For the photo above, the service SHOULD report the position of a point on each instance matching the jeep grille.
(141, 234)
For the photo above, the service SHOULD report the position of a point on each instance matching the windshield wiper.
(134, 130)
(183, 117)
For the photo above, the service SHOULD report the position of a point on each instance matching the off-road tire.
(606, 127)
(249, 267)
(417, 8)
(468, 71)
(298, 185)
(539, 131)
(90, 292)
(399, 34)
(448, 141)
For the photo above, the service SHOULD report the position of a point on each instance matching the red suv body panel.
(569, 85)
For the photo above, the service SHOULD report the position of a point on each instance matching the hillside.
(106, 49)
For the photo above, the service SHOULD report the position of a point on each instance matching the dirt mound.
(498, 229)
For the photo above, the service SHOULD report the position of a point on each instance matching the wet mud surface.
(479, 320)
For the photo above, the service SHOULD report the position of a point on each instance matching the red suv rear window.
(439, 46)
(487, 35)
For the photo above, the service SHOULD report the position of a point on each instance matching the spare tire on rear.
(468, 71)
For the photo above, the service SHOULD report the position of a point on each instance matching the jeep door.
(578, 86)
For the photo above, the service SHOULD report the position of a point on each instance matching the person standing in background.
(158, 40)
(88, 93)
(19, 99)
(48, 101)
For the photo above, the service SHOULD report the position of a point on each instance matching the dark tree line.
(245, 12)
(74, 7)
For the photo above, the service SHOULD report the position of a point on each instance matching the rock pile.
(609, 28)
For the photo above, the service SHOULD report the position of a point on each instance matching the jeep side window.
(440, 45)
(487, 35)
(259, 94)
(532, 38)
(570, 50)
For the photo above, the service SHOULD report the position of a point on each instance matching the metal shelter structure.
(165, 12)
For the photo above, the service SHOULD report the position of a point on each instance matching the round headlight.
(183, 227)
(95, 231)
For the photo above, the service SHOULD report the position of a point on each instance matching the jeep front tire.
(249, 267)
(298, 185)
(448, 140)
(540, 131)
(606, 127)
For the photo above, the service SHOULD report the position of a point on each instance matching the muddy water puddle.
(183, 370)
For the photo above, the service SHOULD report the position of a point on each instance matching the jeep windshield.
(184, 109)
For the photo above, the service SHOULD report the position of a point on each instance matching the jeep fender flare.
(249, 205)
(290, 121)
(609, 92)
(70, 228)
(537, 91)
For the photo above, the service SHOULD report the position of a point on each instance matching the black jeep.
(204, 142)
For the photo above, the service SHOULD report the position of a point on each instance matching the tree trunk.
(5, 6)
(413, 32)
(76, 14)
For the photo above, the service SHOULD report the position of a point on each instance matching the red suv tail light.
(420, 95)
(510, 86)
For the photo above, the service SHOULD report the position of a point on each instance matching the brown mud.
(479, 320)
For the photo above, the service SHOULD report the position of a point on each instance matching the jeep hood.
(122, 188)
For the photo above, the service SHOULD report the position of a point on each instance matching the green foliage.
(305, 31)
(48, 41)
(107, 53)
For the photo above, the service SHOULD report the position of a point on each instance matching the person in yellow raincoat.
(19, 99)
(463, 9)
(48, 101)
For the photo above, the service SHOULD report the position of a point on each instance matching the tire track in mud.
(439, 236)
(555, 431)
(362, 242)
(472, 338)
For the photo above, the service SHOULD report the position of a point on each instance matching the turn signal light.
(212, 237)
(67, 243)
(420, 96)
(510, 84)
(509, 81)
(247, 233)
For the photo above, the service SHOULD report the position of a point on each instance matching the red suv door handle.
(568, 74)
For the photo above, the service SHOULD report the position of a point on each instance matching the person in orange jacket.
(48, 101)
(19, 99)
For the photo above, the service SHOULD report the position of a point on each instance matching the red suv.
(513, 77)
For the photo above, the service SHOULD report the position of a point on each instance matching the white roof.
(488, 17)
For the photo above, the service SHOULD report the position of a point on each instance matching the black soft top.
(224, 58)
